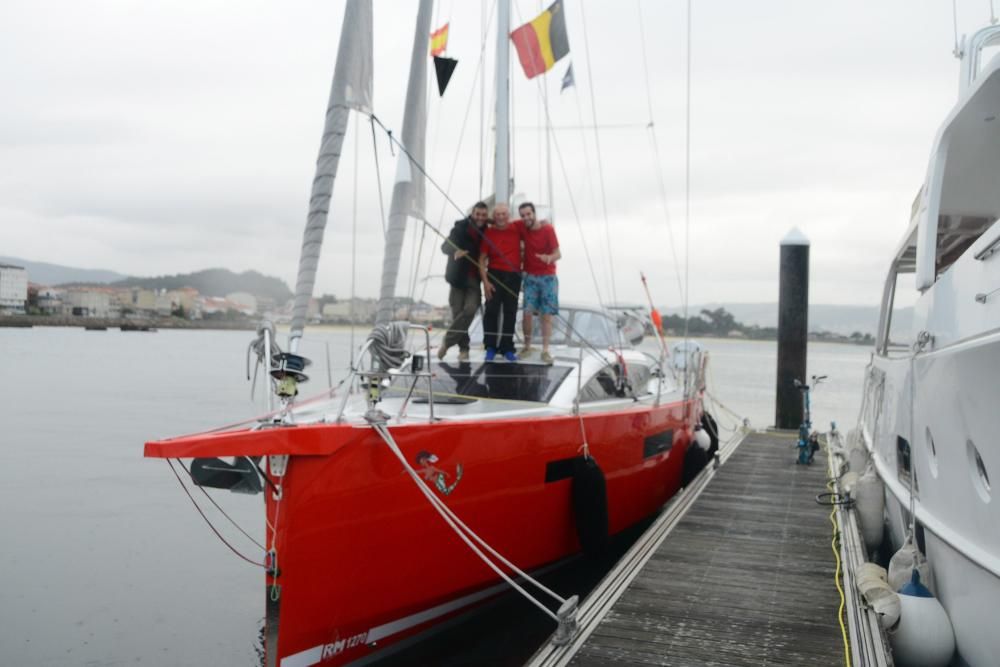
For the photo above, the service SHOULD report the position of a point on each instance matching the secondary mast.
(408, 191)
(501, 165)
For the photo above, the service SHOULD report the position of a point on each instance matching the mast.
(408, 191)
(548, 150)
(501, 165)
(351, 89)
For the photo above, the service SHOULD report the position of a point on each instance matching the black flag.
(568, 79)
(444, 67)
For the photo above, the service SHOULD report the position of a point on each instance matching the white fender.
(869, 499)
(873, 587)
(904, 562)
(924, 636)
(702, 438)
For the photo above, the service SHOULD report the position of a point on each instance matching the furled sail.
(351, 89)
(408, 191)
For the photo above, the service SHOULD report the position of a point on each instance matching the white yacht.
(931, 414)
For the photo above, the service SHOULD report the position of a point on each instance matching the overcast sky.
(163, 137)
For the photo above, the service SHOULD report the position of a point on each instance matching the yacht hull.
(928, 436)
(364, 561)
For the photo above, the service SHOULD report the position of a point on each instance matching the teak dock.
(740, 571)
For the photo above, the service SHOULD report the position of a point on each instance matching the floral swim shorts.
(541, 294)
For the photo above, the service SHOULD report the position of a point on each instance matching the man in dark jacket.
(462, 274)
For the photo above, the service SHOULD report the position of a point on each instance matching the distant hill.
(44, 273)
(843, 320)
(216, 282)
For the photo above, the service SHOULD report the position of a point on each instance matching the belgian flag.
(541, 42)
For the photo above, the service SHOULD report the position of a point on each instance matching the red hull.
(364, 560)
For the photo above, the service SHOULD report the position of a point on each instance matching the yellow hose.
(836, 577)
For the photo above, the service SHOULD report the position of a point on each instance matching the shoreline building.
(13, 289)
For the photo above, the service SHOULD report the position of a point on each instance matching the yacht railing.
(972, 54)
(378, 376)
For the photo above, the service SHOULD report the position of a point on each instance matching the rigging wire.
(586, 126)
(354, 235)
(654, 144)
(414, 262)
(687, 189)
(597, 143)
(378, 174)
(576, 215)
(482, 92)
(583, 141)
(957, 52)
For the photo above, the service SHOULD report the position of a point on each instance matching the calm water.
(104, 560)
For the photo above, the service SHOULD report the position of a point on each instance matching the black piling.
(793, 328)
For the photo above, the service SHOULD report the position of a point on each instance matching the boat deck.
(744, 577)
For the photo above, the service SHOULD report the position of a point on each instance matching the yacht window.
(595, 328)
(903, 464)
(601, 387)
(955, 234)
(638, 377)
(899, 334)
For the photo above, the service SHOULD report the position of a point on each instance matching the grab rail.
(988, 250)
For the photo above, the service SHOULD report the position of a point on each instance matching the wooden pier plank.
(746, 577)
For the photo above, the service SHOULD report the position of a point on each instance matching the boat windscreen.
(465, 382)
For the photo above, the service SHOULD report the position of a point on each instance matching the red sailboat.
(425, 488)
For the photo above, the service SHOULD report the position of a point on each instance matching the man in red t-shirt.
(500, 271)
(541, 287)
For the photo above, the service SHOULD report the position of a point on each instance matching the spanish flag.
(439, 40)
(541, 42)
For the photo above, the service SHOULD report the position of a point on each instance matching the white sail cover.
(351, 89)
(408, 191)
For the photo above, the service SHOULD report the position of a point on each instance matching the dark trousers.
(464, 302)
(508, 286)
